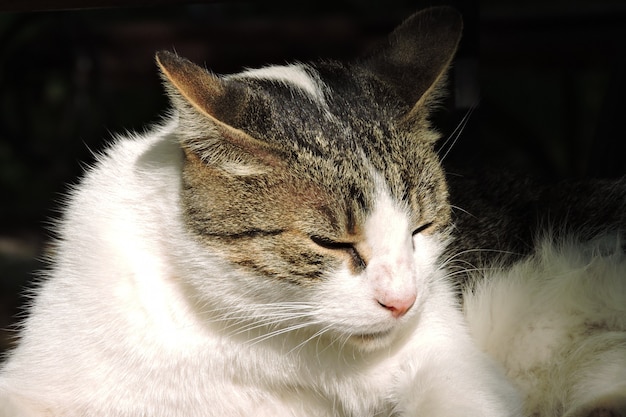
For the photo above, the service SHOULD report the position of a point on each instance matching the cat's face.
(319, 185)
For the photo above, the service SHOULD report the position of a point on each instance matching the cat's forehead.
(341, 123)
(299, 77)
(322, 106)
(336, 92)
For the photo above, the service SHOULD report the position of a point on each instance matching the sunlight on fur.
(557, 322)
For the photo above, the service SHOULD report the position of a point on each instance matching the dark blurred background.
(544, 80)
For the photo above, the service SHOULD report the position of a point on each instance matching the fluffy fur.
(275, 249)
(557, 322)
(270, 251)
(167, 328)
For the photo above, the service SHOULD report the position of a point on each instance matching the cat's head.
(318, 183)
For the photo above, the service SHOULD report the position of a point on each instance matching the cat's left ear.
(417, 54)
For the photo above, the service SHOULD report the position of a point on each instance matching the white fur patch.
(391, 269)
(394, 285)
(557, 322)
(293, 76)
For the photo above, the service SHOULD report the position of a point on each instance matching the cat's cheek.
(348, 304)
(351, 313)
(426, 250)
(426, 253)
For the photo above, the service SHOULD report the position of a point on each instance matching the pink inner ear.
(199, 87)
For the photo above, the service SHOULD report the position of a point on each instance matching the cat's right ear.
(208, 108)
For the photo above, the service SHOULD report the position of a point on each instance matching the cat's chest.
(269, 378)
(242, 381)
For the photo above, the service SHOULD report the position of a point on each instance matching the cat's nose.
(399, 305)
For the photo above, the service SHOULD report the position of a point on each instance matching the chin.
(369, 342)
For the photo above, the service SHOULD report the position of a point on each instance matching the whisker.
(472, 270)
(255, 309)
(267, 322)
(454, 257)
(271, 316)
(456, 129)
(264, 337)
(462, 210)
(454, 260)
(456, 133)
(253, 317)
(315, 335)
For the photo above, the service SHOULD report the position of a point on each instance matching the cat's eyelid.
(358, 261)
(331, 244)
(422, 228)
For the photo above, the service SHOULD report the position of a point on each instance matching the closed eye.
(330, 244)
(326, 243)
(422, 228)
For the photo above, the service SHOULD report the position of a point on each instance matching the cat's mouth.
(371, 337)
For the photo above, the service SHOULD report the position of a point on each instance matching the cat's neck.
(117, 232)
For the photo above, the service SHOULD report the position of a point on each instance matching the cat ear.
(208, 107)
(415, 59)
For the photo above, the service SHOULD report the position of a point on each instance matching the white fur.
(294, 76)
(139, 319)
(557, 322)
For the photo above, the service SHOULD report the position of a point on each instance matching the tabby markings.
(292, 76)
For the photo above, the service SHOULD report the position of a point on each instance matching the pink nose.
(397, 306)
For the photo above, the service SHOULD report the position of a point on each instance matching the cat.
(284, 245)
(270, 250)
